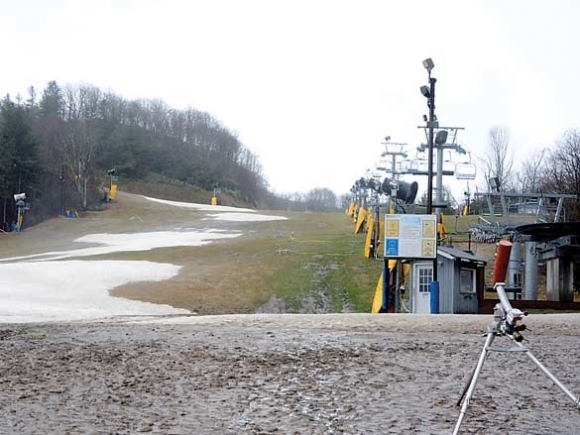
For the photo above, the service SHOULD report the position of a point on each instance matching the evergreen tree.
(52, 101)
(20, 146)
(20, 168)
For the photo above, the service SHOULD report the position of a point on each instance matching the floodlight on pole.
(19, 197)
(494, 183)
(441, 137)
(403, 191)
(428, 64)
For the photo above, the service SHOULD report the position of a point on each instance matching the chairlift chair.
(465, 171)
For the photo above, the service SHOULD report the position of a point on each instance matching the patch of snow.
(202, 207)
(243, 217)
(77, 290)
(130, 243)
(35, 288)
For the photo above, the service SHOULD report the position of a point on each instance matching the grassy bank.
(311, 262)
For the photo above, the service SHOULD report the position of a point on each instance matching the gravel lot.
(283, 374)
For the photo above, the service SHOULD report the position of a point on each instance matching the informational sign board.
(410, 236)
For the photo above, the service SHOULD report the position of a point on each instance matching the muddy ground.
(283, 374)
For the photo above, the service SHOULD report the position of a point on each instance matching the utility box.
(461, 277)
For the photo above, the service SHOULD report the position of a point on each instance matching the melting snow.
(130, 243)
(202, 207)
(76, 290)
(35, 288)
(233, 214)
(243, 217)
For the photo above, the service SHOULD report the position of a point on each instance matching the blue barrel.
(385, 304)
(434, 289)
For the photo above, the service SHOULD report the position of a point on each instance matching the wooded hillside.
(58, 147)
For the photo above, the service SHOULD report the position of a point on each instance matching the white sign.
(410, 236)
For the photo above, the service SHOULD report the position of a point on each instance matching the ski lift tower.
(445, 139)
(394, 150)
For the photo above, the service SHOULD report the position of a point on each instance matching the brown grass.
(312, 262)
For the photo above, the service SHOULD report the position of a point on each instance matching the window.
(425, 278)
(467, 281)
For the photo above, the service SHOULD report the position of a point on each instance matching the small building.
(461, 277)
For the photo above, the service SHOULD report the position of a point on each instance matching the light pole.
(429, 93)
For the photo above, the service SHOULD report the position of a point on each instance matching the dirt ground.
(284, 374)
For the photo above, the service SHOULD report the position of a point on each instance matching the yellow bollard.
(113, 192)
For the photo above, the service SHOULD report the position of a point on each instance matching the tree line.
(553, 169)
(58, 148)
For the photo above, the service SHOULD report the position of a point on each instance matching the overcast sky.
(313, 86)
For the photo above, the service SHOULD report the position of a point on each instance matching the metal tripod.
(470, 388)
(507, 322)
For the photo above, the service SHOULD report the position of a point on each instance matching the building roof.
(454, 254)
(549, 231)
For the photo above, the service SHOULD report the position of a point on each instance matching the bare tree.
(563, 168)
(78, 151)
(532, 171)
(321, 199)
(344, 200)
(496, 161)
(82, 101)
(562, 171)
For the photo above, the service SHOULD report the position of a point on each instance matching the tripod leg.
(473, 382)
(466, 387)
(553, 378)
(470, 378)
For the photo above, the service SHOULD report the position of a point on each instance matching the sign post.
(412, 236)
